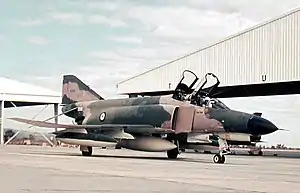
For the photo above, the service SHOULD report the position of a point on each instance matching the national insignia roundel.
(102, 116)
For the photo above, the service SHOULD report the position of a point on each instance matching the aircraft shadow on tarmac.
(179, 159)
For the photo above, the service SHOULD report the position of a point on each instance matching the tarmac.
(54, 169)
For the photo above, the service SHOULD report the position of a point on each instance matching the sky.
(105, 42)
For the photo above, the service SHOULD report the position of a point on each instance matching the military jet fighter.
(158, 123)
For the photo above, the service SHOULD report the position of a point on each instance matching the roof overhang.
(25, 94)
(250, 90)
(28, 100)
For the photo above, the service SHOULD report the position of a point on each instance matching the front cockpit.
(217, 104)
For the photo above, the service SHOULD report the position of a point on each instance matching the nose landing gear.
(224, 149)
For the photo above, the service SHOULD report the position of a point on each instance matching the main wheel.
(173, 153)
(219, 159)
(88, 152)
(118, 146)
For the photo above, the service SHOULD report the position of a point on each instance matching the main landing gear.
(173, 153)
(255, 151)
(223, 150)
(86, 150)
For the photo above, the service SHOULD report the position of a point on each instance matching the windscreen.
(218, 104)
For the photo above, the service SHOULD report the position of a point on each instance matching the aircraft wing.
(127, 127)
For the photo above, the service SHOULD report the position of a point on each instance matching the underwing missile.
(95, 140)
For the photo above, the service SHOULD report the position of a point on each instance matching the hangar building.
(264, 55)
(18, 94)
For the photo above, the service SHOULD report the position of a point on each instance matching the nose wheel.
(86, 150)
(219, 158)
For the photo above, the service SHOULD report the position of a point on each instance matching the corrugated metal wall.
(270, 50)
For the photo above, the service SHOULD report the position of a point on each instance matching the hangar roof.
(25, 94)
(127, 81)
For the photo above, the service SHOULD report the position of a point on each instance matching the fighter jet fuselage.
(238, 126)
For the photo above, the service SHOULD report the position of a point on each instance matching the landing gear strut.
(224, 149)
(86, 150)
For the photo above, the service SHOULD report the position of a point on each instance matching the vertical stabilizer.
(74, 90)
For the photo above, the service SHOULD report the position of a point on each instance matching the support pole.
(15, 135)
(2, 122)
(56, 115)
(56, 122)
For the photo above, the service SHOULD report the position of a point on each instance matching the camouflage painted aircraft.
(158, 123)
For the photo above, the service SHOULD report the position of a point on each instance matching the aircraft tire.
(118, 146)
(87, 153)
(219, 159)
(173, 153)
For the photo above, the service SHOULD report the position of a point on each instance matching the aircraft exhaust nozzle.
(150, 144)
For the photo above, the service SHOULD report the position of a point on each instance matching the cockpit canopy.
(201, 93)
(217, 104)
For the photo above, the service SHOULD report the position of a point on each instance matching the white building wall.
(270, 49)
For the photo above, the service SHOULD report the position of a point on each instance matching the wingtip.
(13, 118)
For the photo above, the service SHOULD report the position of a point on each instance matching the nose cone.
(260, 126)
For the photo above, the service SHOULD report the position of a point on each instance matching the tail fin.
(74, 90)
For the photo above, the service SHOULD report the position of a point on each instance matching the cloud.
(38, 40)
(187, 23)
(30, 22)
(100, 19)
(251, 9)
(67, 18)
(103, 5)
(117, 61)
(131, 39)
